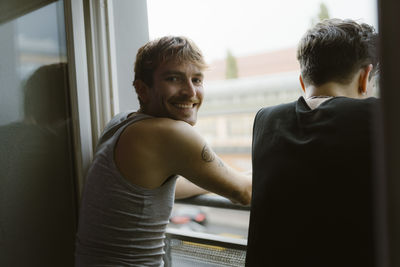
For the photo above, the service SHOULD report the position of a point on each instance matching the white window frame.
(101, 63)
(103, 37)
(79, 88)
(115, 29)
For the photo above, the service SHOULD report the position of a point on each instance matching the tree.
(231, 66)
(322, 14)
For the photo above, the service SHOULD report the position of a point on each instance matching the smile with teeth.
(184, 105)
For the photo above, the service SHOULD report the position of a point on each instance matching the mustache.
(184, 99)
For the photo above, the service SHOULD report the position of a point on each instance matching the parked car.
(190, 217)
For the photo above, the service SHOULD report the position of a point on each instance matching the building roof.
(283, 60)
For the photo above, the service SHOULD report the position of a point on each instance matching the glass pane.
(37, 210)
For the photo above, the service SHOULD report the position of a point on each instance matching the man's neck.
(332, 89)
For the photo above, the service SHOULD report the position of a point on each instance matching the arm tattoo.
(206, 154)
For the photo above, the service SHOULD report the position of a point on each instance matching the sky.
(247, 27)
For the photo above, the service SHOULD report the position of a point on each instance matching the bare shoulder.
(162, 124)
(148, 143)
(159, 130)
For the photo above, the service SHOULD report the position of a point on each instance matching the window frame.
(99, 79)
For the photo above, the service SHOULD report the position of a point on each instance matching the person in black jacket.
(312, 202)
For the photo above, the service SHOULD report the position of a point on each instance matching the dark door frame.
(388, 156)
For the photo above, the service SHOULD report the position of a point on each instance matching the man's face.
(177, 91)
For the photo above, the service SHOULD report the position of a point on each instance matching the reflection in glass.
(37, 216)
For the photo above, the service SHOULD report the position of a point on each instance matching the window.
(251, 50)
(37, 204)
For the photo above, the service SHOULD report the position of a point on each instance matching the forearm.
(185, 189)
(238, 190)
(214, 175)
(190, 156)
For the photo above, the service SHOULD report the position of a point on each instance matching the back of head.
(164, 49)
(334, 49)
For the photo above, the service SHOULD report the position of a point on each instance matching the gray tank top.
(121, 224)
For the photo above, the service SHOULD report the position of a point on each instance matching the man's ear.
(363, 80)
(302, 83)
(142, 90)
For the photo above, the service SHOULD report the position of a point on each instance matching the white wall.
(131, 32)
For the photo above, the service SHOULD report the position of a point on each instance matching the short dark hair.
(334, 49)
(164, 49)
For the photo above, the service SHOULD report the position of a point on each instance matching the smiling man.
(130, 187)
